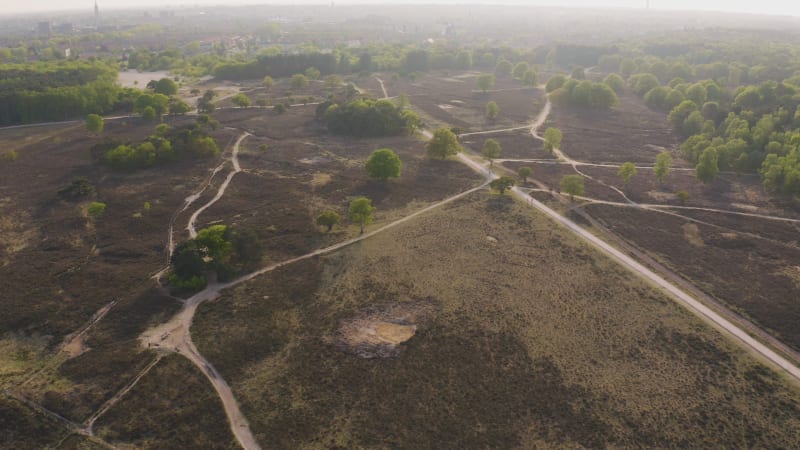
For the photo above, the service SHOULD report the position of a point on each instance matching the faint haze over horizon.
(775, 7)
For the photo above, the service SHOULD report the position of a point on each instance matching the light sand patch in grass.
(692, 235)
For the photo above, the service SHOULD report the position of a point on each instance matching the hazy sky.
(789, 7)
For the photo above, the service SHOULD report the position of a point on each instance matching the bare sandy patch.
(692, 235)
(320, 179)
(380, 333)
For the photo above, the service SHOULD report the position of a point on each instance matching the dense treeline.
(736, 104)
(46, 75)
(282, 65)
(368, 117)
(40, 92)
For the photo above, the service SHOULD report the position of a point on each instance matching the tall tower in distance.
(96, 15)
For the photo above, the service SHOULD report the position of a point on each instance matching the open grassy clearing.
(523, 338)
(172, 406)
(754, 276)
(629, 132)
(451, 100)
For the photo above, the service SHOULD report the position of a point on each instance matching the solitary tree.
(520, 69)
(96, 209)
(524, 173)
(241, 100)
(443, 144)
(328, 219)
(572, 185)
(502, 184)
(299, 81)
(531, 78)
(485, 81)
(682, 196)
(707, 168)
(384, 164)
(492, 110)
(662, 166)
(491, 150)
(361, 210)
(626, 172)
(94, 124)
(552, 139)
(268, 82)
(166, 86)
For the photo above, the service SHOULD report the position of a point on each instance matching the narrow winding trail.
(223, 187)
(175, 335)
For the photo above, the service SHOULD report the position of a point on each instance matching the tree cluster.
(222, 249)
(584, 94)
(187, 142)
(368, 117)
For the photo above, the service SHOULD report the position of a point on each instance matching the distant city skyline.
(779, 7)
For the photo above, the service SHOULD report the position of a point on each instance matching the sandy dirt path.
(676, 293)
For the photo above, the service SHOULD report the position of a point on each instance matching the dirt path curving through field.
(693, 305)
(222, 188)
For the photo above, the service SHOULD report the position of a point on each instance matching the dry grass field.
(523, 338)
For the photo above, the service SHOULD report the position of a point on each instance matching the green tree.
(552, 139)
(268, 82)
(188, 265)
(178, 106)
(530, 78)
(491, 150)
(94, 124)
(162, 129)
(572, 185)
(299, 81)
(707, 168)
(149, 113)
(166, 86)
(615, 82)
(682, 196)
(328, 219)
(96, 209)
(626, 172)
(524, 172)
(502, 184)
(241, 100)
(312, 73)
(443, 144)
(519, 70)
(662, 166)
(492, 110)
(280, 108)
(360, 212)
(384, 164)
(681, 112)
(485, 81)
